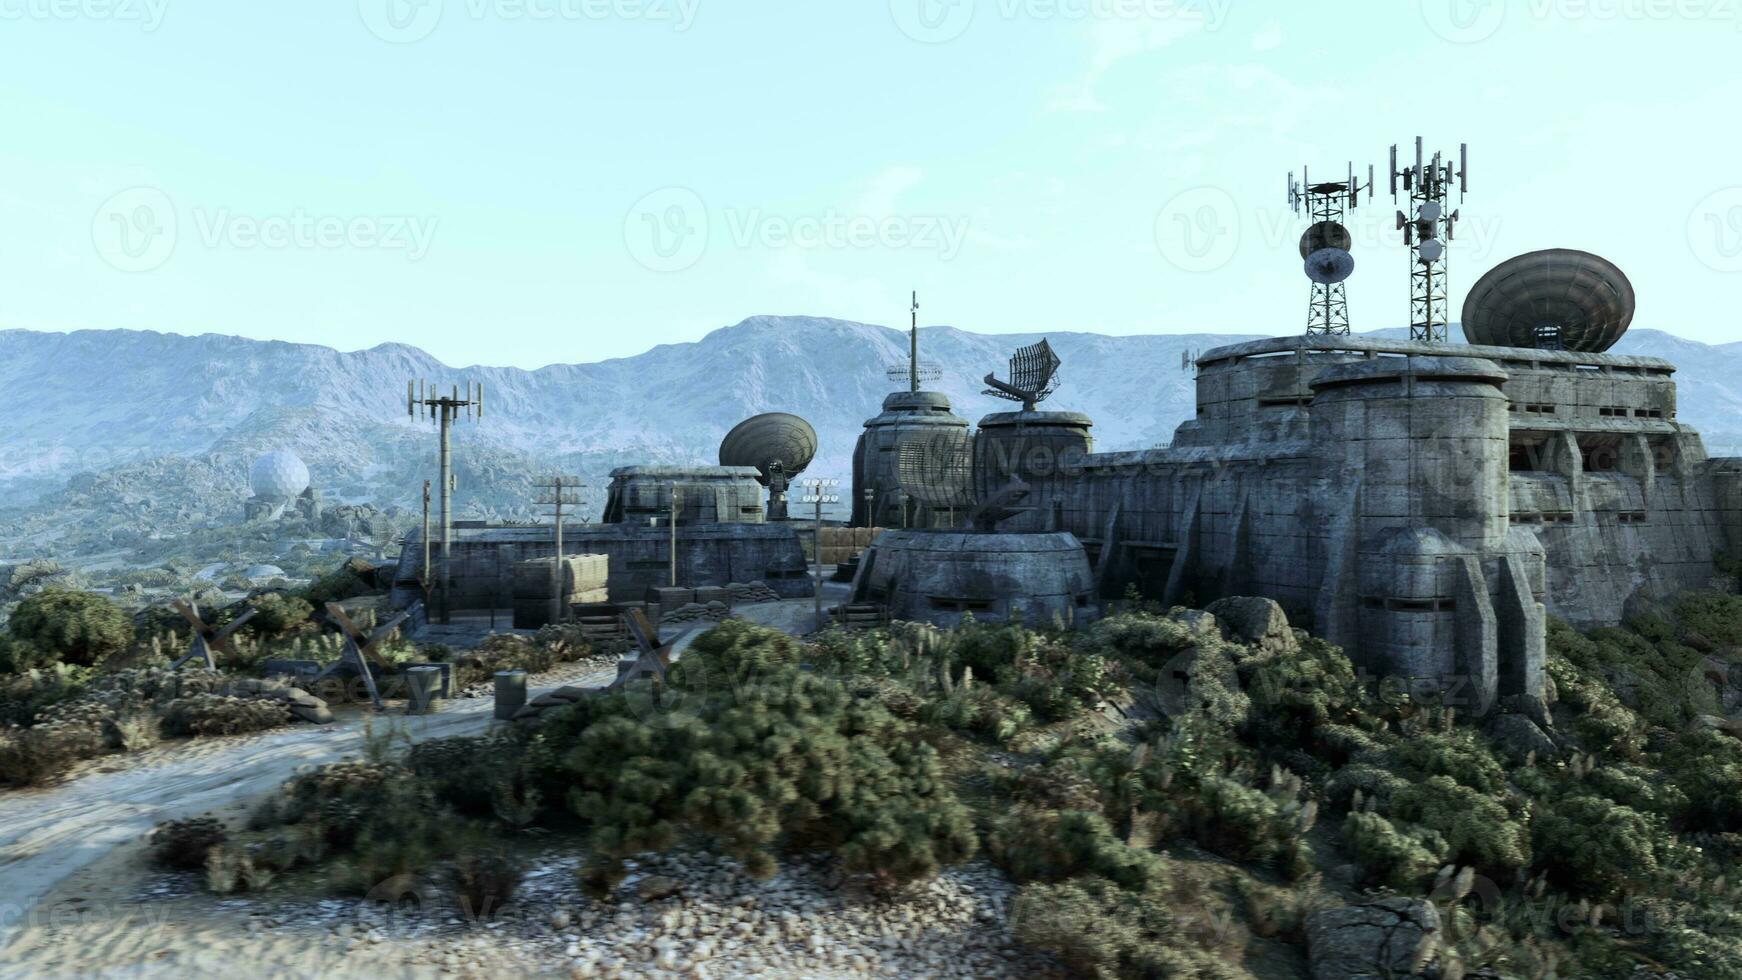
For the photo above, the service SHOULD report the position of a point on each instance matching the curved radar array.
(1554, 299)
(779, 445)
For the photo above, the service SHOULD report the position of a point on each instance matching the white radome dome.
(278, 475)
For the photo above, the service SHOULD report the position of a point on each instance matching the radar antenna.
(1428, 183)
(915, 370)
(1324, 247)
(1033, 376)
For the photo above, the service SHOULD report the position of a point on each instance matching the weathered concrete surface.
(1384, 940)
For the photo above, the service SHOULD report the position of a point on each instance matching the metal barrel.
(423, 687)
(510, 693)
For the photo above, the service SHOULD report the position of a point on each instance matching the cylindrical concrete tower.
(888, 492)
(1424, 438)
(1034, 447)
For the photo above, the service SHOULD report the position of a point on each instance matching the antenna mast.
(914, 372)
(428, 401)
(1429, 186)
(913, 347)
(1325, 245)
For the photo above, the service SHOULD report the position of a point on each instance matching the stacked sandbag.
(580, 579)
(301, 703)
(844, 544)
(743, 593)
(696, 612)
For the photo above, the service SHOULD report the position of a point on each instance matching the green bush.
(1706, 769)
(215, 714)
(184, 845)
(29, 756)
(1596, 847)
(1038, 845)
(68, 626)
(1099, 930)
(1476, 827)
(1389, 854)
(278, 613)
(748, 749)
(25, 696)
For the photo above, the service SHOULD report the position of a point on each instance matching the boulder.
(313, 714)
(1389, 939)
(655, 887)
(1196, 620)
(1255, 622)
(1518, 736)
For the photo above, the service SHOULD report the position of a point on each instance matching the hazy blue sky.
(530, 181)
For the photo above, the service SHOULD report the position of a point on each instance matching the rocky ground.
(685, 914)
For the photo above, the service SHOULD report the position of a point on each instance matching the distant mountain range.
(121, 409)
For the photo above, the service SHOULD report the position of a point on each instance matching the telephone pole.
(558, 492)
(445, 410)
(676, 502)
(820, 492)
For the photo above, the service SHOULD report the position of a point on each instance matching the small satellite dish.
(1330, 265)
(1430, 211)
(1431, 250)
(1325, 234)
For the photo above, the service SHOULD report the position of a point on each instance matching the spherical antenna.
(279, 475)
(1325, 234)
(773, 442)
(1558, 298)
(1329, 266)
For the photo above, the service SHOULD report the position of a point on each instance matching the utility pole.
(676, 502)
(445, 410)
(424, 577)
(559, 491)
(820, 492)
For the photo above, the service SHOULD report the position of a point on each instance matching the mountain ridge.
(104, 400)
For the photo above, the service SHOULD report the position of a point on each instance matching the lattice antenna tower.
(426, 400)
(1033, 376)
(1428, 183)
(915, 370)
(1324, 247)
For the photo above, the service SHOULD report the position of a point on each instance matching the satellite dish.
(779, 445)
(1325, 234)
(1559, 297)
(1431, 249)
(1431, 211)
(1330, 265)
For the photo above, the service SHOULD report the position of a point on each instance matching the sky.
(526, 182)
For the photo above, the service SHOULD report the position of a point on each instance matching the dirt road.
(47, 834)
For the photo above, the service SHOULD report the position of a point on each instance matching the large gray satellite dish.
(1558, 298)
(779, 445)
(1430, 250)
(1328, 266)
(1325, 234)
